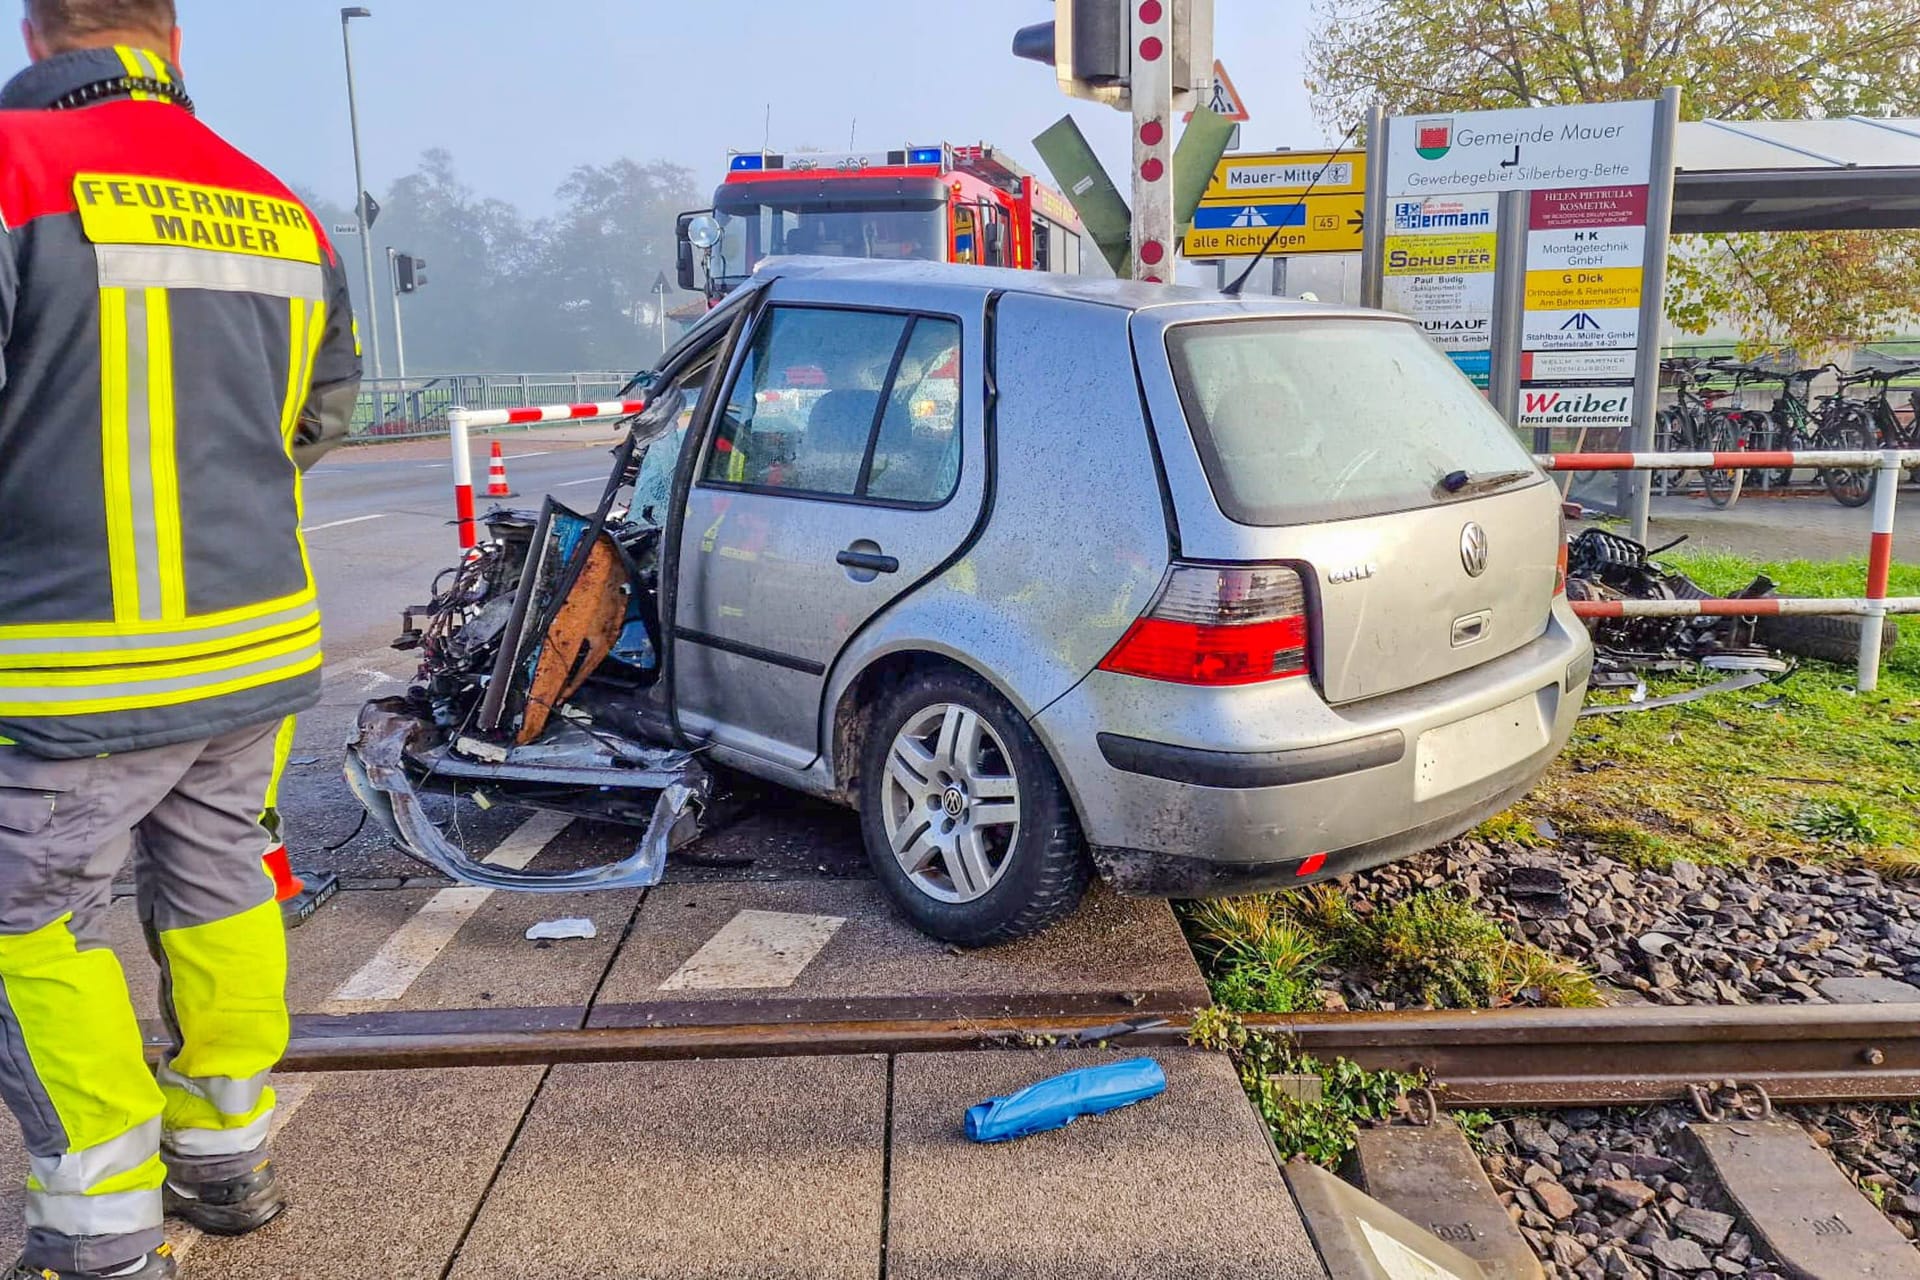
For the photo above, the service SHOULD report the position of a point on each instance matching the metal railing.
(408, 408)
(1874, 606)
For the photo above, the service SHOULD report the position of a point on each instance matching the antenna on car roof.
(1233, 290)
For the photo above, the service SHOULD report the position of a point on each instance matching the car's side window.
(844, 404)
(916, 457)
(806, 399)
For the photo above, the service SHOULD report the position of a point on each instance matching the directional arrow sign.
(1314, 224)
(1268, 175)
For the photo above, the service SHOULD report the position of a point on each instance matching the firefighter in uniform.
(178, 347)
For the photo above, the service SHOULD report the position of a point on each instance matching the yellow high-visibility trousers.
(101, 1131)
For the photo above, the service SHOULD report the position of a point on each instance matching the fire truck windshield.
(752, 230)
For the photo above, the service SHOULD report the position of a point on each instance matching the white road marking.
(335, 524)
(568, 484)
(370, 677)
(416, 944)
(755, 949)
(288, 1093)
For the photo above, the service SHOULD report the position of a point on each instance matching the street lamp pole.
(360, 186)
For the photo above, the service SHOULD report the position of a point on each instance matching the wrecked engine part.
(1745, 680)
(1602, 565)
(390, 748)
(539, 685)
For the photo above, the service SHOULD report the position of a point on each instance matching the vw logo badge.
(1473, 549)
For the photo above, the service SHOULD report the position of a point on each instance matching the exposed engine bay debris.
(1606, 566)
(540, 685)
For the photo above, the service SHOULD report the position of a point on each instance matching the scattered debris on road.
(562, 930)
(1059, 1101)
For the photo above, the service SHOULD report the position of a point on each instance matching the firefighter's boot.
(228, 1206)
(157, 1265)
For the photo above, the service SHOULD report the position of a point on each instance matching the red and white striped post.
(1879, 566)
(1152, 94)
(457, 426)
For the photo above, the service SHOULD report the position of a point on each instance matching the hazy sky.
(520, 91)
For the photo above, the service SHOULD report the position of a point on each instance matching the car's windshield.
(751, 232)
(1325, 419)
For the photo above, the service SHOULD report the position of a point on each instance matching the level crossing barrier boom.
(1888, 464)
(461, 422)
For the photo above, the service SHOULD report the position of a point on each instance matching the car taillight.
(1219, 626)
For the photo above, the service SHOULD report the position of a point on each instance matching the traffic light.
(1089, 44)
(409, 273)
(1086, 44)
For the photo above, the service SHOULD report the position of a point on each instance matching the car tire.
(1831, 638)
(1036, 871)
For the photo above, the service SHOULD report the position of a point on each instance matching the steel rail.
(1504, 1057)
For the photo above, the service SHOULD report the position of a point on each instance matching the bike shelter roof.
(1847, 173)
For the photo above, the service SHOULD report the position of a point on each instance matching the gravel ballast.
(1607, 1196)
(1772, 932)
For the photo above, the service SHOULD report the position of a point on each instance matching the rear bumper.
(1196, 792)
(1150, 873)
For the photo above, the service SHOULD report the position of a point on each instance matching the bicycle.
(1848, 424)
(1695, 423)
(1789, 423)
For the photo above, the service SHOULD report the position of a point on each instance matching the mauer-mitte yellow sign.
(1255, 198)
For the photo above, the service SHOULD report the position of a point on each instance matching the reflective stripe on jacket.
(177, 335)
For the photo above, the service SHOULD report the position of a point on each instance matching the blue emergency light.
(924, 155)
(749, 164)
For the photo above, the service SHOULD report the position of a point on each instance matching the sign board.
(1316, 199)
(1605, 144)
(1578, 408)
(1271, 175)
(346, 229)
(1313, 224)
(1226, 101)
(1439, 269)
(1586, 260)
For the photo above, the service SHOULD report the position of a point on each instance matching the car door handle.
(871, 561)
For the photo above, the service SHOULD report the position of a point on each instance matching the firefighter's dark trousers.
(95, 1120)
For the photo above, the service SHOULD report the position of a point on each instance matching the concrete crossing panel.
(1181, 1186)
(690, 1170)
(1112, 947)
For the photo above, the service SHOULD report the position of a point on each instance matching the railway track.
(1788, 1209)
(1506, 1057)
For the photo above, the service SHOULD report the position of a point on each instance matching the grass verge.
(1804, 768)
(1277, 952)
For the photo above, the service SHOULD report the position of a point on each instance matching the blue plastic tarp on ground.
(1056, 1103)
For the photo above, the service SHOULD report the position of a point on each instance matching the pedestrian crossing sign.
(1225, 100)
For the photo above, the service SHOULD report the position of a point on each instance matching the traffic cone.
(297, 897)
(286, 885)
(497, 475)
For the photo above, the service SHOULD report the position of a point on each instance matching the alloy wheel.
(951, 803)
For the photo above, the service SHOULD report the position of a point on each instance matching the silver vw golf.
(1046, 577)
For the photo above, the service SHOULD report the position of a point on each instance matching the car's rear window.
(1305, 420)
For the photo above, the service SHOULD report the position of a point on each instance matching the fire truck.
(934, 204)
